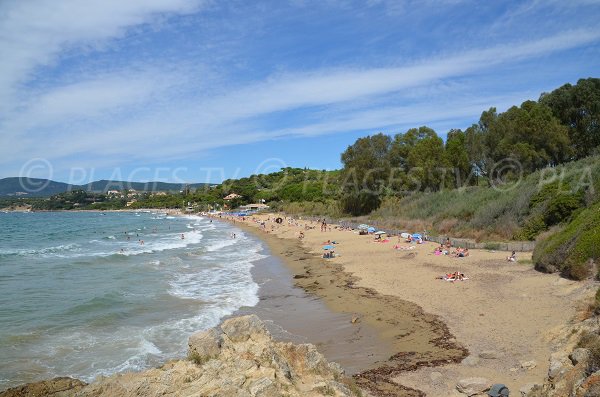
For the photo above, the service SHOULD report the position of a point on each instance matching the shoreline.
(292, 315)
(504, 319)
(417, 339)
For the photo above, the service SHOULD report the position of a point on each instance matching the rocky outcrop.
(237, 359)
(57, 387)
(573, 371)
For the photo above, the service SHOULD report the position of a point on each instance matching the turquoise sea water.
(81, 296)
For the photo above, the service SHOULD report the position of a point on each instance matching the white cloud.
(325, 87)
(35, 33)
(149, 111)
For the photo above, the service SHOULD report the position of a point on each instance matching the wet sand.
(295, 316)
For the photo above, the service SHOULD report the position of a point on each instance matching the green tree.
(404, 143)
(458, 157)
(365, 173)
(428, 164)
(578, 107)
(405, 176)
(475, 142)
(529, 134)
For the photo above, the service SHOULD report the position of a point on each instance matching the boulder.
(555, 369)
(205, 345)
(579, 355)
(472, 386)
(240, 329)
(238, 359)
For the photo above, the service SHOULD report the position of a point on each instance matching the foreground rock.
(57, 387)
(239, 358)
(573, 371)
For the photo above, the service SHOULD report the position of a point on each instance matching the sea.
(84, 294)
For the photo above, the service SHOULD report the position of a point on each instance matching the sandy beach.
(500, 324)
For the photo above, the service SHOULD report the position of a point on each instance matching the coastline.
(416, 338)
(500, 325)
(398, 330)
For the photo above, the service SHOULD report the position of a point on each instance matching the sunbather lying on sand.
(456, 276)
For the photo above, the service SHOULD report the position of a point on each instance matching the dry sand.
(507, 312)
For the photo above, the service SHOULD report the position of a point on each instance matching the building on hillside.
(232, 196)
(254, 207)
(113, 192)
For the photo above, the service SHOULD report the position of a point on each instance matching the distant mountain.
(34, 187)
(31, 187)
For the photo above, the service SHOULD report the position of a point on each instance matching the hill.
(35, 187)
(31, 187)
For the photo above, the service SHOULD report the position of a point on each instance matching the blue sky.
(199, 91)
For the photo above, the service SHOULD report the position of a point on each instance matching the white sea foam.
(166, 242)
(181, 294)
(217, 245)
(41, 251)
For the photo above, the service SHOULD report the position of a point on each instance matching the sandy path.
(505, 310)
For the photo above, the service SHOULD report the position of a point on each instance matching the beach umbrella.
(417, 236)
(328, 247)
(405, 235)
(363, 227)
(371, 229)
(380, 232)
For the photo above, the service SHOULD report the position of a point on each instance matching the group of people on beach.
(458, 253)
(323, 223)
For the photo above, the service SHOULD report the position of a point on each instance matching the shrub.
(591, 341)
(561, 207)
(569, 249)
(532, 227)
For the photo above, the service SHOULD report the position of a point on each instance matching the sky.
(205, 90)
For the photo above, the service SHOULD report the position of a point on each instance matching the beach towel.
(412, 247)
(446, 278)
